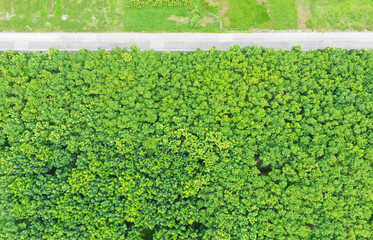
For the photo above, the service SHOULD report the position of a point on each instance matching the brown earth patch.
(224, 7)
(304, 13)
(261, 1)
(178, 19)
(206, 20)
(6, 16)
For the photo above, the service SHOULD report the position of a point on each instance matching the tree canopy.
(247, 143)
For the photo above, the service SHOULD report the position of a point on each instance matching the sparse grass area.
(304, 13)
(237, 15)
(341, 15)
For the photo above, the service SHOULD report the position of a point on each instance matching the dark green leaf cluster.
(248, 143)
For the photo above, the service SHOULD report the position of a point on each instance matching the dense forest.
(247, 143)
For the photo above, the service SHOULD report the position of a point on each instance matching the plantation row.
(248, 143)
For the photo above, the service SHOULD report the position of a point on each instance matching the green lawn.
(96, 16)
(272, 14)
(247, 14)
(284, 14)
(237, 15)
(341, 15)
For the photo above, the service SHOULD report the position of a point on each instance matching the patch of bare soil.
(7, 16)
(206, 20)
(304, 13)
(224, 7)
(178, 19)
(261, 1)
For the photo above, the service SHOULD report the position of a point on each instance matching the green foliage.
(159, 3)
(195, 16)
(248, 143)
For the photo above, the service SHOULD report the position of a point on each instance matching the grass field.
(97, 16)
(269, 14)
(247, 14)
(341, 14)
(284, 14)
(237, 15)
